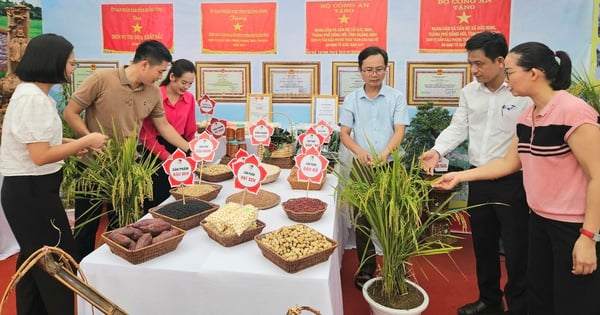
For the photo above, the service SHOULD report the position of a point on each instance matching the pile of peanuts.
(296, 241)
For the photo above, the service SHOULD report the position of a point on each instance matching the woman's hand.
(447, 181)
(584, 256)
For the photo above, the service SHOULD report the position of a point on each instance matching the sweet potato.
(130, 231)
(165, 235)
(145, 240)
(120, 239)
(152, 226)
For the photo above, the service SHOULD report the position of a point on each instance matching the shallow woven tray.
(234, 239)
(187, 222)
(271, 177)
(206, 197)
(285, 163)
(297, 185)
(304, 216)
(144, 254)
(214, 178)
(263, 200)
(293, 266)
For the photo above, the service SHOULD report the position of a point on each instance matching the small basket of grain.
(184, 214)
(308, 185)
(304, 209)
(214, 173)
(203, 191)
(273, 172)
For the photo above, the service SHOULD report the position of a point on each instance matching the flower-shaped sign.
(249, 174)
(324, 129)
(204, 147)
(217, 127)
(180, 169)
(240, 156)
(311, 139)
(206, 104)
(311, 165)
(260, 133)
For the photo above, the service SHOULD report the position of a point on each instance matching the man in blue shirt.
(375, 115)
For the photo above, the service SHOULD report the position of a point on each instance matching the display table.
(8, 243)
(203, 277)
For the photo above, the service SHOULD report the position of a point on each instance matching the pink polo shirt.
(181, 115)
(555, 184)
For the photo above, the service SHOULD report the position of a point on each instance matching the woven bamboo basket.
(189, 222)
(214, 178)
(304, 216)
(297, 310)
(284, 150)
(286, 163)
(232, 240)
(293, 266)
(206, 197)
(298, 185)
(273, 172)
(144, 254)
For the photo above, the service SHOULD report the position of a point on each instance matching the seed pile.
(296, 241)
(178, 210)
(304, 204)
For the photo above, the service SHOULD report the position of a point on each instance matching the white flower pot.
(378, 309)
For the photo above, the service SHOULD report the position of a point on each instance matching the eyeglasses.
(378, 70)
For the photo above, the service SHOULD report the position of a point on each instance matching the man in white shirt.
(487, 115)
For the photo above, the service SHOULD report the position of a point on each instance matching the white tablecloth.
(203, 277)
(8, 243)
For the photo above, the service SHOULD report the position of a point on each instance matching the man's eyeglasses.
(378, 70)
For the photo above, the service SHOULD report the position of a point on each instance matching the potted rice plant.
(392, 200)
(118, 175)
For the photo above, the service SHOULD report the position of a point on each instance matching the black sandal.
(361, 279)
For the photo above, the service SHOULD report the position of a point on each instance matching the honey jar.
(230, 133)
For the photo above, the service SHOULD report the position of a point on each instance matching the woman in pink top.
(558, 147)
(180, 109)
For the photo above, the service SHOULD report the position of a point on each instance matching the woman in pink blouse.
(180, 109)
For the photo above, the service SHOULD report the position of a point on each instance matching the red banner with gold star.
(345, 27)
(238, 27)
(125, 26)
(446, 25)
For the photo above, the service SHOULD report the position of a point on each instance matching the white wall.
(561, 24)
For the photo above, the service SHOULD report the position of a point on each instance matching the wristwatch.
(590, 234)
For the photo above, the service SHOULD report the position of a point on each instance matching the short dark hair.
(371, 51)
(178, 68)
(539, 56)
(45, 60)
(493, 44)
(153, 51)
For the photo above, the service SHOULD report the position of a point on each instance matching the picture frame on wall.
(436, 82)
(223, 81)
(86, 67)
(291, 82)
(346, 77)
(259, 106)
(324, 107)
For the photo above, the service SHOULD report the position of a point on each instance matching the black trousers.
(509, 222)
(87, 221)
(552, 288)
(160, 179)
(37, 218)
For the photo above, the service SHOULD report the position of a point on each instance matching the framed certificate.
(259, 106)
(436, 82)
(86, 67)
(324, 107)
(223, 81)
(291, 82)
(346, 77)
